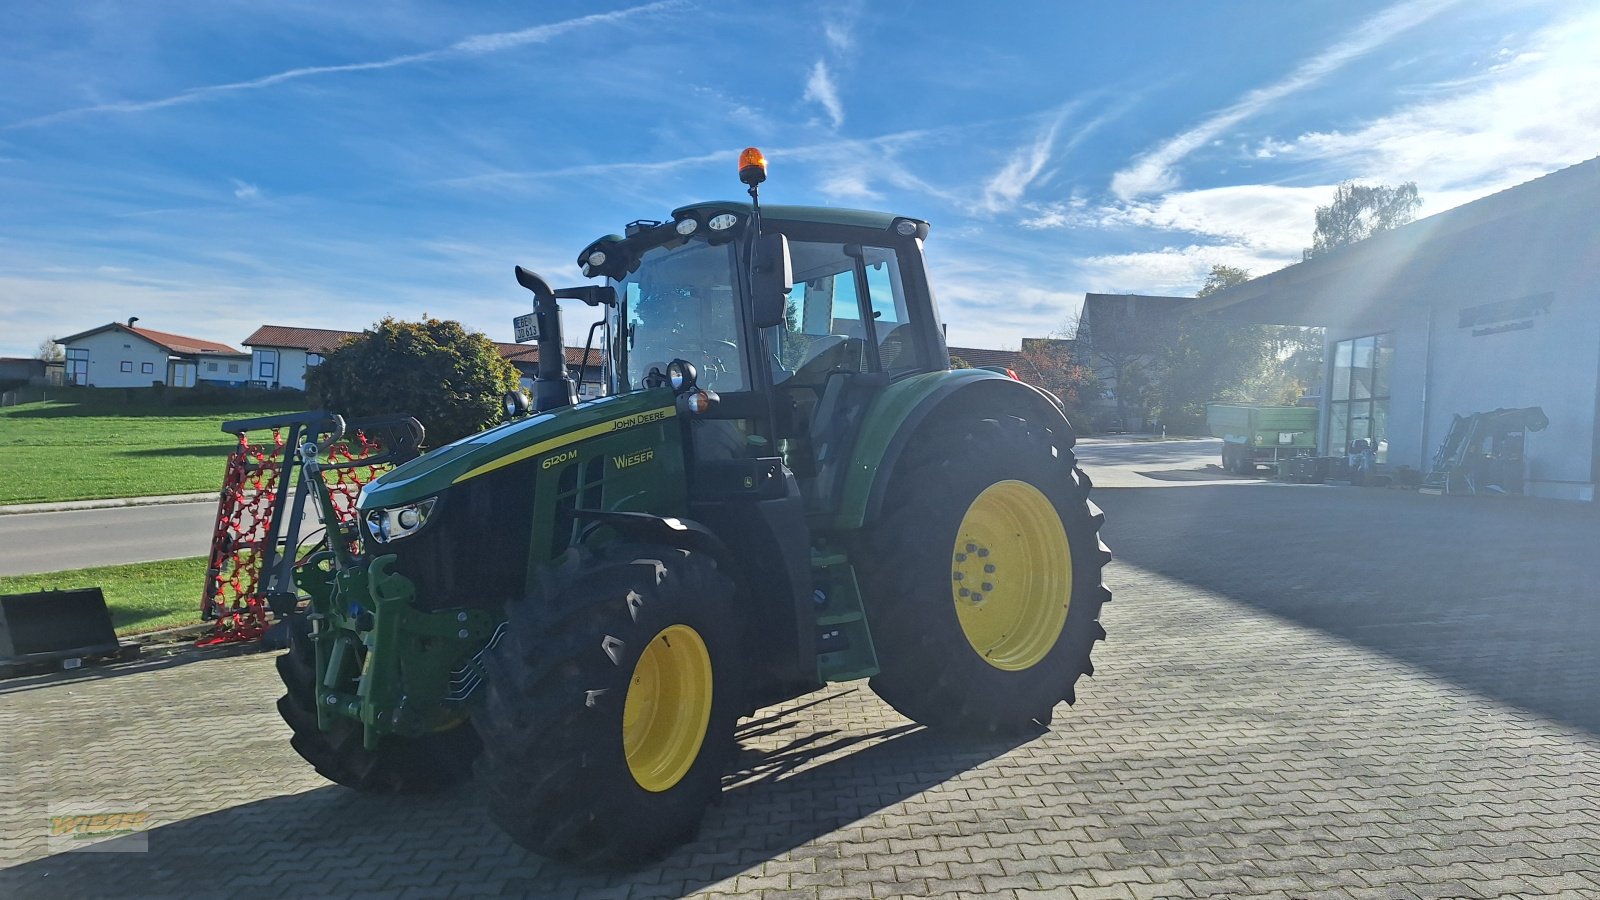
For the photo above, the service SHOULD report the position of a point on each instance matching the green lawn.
(142, 596)
(120, 443)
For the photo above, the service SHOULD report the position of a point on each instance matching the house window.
(147, 368)
(1358, 401)
(233, 368)
(127, 365)
(77, 366)
(267, 363)
(211, 367)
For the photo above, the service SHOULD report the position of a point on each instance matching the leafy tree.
(1359, 211)
(1051, 363)
(50, 351)
(957, 362)
(1210, 359)
(450, 379)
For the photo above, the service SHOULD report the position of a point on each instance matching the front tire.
(610, 705)
(421, 764)
(983, 581)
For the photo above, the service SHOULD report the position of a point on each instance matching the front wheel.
(983, 581)
(610, 705)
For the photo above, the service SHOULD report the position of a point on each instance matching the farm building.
(1492, 305)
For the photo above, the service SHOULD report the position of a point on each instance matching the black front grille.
(474, 552)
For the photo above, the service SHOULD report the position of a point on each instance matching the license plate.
(526, 327)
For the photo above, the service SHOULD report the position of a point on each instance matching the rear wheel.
(983, 581)
(420, 764)
(610, 705)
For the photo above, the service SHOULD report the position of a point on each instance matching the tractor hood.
(513, 442)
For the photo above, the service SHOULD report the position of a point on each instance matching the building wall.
(1504, 354)
(288, 372)
(225, 370)
(108, 350)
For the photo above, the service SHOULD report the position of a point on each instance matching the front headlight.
(398, 522)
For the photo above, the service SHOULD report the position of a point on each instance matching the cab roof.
(821, 215)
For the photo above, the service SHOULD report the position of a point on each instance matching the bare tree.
(50, 351)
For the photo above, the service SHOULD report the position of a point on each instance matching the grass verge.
(121, 443)
(141, 596)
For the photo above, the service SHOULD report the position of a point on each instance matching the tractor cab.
(788, 320)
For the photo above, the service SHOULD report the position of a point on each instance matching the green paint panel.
(436, 470)
(883, 423)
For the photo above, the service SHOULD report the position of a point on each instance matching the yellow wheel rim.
(1011, 575)
(668, 706)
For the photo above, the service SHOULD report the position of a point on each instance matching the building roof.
(528, 354)
(289, 337)
(1318, 290)
(179, 344)
(978, 357)
(327, 340)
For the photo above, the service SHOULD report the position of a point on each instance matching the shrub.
(451, 380)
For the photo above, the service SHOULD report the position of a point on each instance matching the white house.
(118, 355)
(280, 355)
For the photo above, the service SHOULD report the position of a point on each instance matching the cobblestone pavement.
(1308, 692)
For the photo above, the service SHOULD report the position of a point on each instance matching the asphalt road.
(51, 542)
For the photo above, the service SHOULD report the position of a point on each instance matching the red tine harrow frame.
(255, 545)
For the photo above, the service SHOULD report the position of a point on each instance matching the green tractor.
(784, 486)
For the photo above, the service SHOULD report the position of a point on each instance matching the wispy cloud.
(1152, 172)
(244, 190)
(657, 167)
(1005, 187)
(474, 45)
(1538, 108)
(821, 90)
(840, 28)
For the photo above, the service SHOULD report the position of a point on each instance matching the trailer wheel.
(983, 581)
(422, 764)
(610, 705)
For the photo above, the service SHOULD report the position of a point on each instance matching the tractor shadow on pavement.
(1494, 594)
(803, 770)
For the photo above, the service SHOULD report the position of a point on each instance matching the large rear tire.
(421, 764)
(983, 579)
(610, 705)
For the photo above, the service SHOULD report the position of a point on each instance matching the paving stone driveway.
(1309, 692)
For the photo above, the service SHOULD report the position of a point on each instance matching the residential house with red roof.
(123, 355)
(282, 354)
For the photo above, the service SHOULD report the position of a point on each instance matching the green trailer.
(1253, 434)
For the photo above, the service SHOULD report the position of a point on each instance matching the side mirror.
(592, 294)
(771, 277)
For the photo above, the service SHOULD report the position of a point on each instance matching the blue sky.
(213, 166)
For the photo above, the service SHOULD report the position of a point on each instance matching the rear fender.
(908, 411)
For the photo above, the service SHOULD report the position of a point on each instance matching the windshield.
(681, 303)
